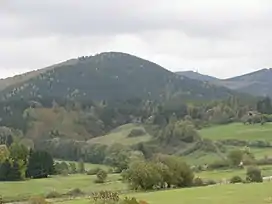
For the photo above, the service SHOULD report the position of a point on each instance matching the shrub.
(254, 175)
(75, 192)
(236, 179)
(136, 133)
(37, 200)
(209, 182)
(101, 176)
(198, 182)
(53, 194)
(93, 171)
(235, 157)
(219, 164)
(105, 197)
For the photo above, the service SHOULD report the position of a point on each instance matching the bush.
(198, 182)
(220, 164)
(53, 194)
(209, 182)
(105, 197)
(235, 157)
(254, 175)
(93, 171)
(38, 200)
(75, 192)
(136, 133)
(236, 179)
(101, 176)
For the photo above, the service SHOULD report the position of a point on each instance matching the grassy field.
(63, 184)
(120, 135)
(238, 131)
(228, 174)
(60, 184)
(224, 194)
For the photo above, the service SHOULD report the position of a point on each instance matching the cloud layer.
(220, 38)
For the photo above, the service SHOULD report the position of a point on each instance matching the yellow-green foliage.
(43, 120)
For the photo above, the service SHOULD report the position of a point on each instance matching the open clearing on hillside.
(223, 194)
(238, 131)
(120, 135)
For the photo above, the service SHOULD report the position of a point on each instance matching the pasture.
(224, 194)
(120, 135)
(60, 184)
(238, 131)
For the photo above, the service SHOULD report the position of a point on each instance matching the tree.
(164, 171)
(101, 176)
(118, 156)
(181, 173)
(4, 153)
(142, 175)
(81, 166)
(4, 170)
(72, 168)
(235, 157)
(40, 164)
(18, 152)
(254, 174)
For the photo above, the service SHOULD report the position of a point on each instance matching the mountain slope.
(109, 76)
(197, 76)
(256, 83)
(10, 81)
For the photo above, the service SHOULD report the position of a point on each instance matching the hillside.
(109, 76)
(256, 83)
(197, 76)
(18, 79)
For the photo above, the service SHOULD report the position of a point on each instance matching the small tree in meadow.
(81, 167)
(101, 176)
(254, 174)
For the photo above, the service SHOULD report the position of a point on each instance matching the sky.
(216, 37)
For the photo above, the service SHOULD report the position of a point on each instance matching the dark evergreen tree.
(40, 165)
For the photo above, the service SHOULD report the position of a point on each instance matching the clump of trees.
(163, 171)
(17, 163)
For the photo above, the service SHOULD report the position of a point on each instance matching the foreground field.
(223, 194)
(238, 131)
(60, 184)
(64, 184)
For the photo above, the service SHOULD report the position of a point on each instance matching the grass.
(60, 184)
(229, 173)
(238, 131)
(224, 194)
(120, 135)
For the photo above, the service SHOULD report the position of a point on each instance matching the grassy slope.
(235, 131)
(238, 131)
(224, 194)
(120, 135)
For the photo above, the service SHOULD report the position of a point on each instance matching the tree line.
(18, 163)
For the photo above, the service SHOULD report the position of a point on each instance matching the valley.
(116, 123)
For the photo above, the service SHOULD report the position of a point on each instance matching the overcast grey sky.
(222, 38)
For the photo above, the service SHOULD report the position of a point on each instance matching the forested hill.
(111, 75)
